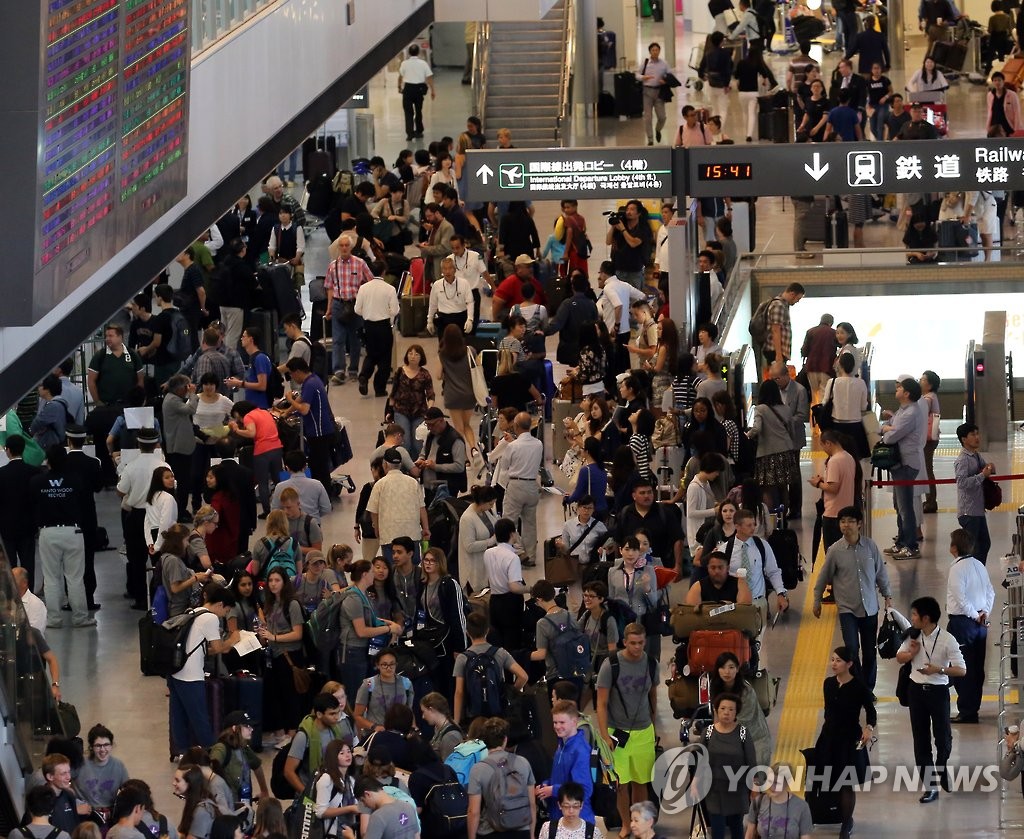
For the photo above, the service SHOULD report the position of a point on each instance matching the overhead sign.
(554, 174)
(846, 168)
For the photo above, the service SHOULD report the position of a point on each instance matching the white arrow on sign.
(485, 172)
(818, 172)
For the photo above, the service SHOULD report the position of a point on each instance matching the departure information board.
(113, 139)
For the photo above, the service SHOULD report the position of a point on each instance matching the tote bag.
(476, 373)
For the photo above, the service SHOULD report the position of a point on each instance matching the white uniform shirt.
(941, 649)
(471, 268)
(414, 70)
(451, 298)
(968, 589)
(377, 300)
(503, 565)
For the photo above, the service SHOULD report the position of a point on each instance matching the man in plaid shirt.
(779, 344)
(344, 277)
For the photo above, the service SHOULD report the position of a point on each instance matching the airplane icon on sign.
(512, 175)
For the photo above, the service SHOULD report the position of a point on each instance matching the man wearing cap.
(57, 500)
(133, 488)
(524, 458)
(451, 301)
(443, 456)
(439, 239)
(918, 128)
(377, 304)
(318, 426)
(396, 505)
(313, 497)
(239, 769)
(509, 292)
(90, 473)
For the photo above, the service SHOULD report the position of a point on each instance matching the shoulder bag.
(476, 374)
(822, 413)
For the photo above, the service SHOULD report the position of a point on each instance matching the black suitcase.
(605, 104)
(266, 321)
(786, 547)
(629, 97)
(321, 195)
(286, 301)
(837, 229)
(215, 705)
(556, 290)
(145, 642)
(244, 692)
(953, 234)
(319, 163)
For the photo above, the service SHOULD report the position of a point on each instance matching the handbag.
(476, 374)
(992, 493)
(821, 414)
(903, 685)
(346, 311)
(872, 430)
(890, 636)
(317, 292)
(68, 715)
(570, 389)
(301, 678)
(885, 456)
(666, 432)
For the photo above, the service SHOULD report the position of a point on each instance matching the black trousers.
(320, 459)
(137, 553)
(621, 353)
(507, 620)
(412, 104)
(89, 574)
(380, 338)
(973, 638)
(442, 319)
(830, 531)
(22, 552)
(929, 717)
(181, 466)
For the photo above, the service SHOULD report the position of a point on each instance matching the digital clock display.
(725, 172)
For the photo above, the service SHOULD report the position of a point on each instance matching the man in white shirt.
(582, 532)
(620, 295)
(35, 609)
(190, 719)
(969, 600)
(756, 557)
(934, 658)
(414, 78)
(377, 304)
(524, 458)
(505, 580)
(472, 268)
(451, 301)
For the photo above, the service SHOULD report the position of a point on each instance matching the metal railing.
(1010, 623)
(481, 65)
(565, 81)
(213, 19)
(875, 257)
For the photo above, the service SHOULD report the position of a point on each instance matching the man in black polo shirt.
(661, 522)
(113, 372)
(58, 501)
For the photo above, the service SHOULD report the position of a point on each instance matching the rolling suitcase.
(215, 703)
(629, 97)
(689, 619)
(705, 645)
(953, 234)
(1014, 72)
(145, 642)
(412, 315)
(786, 547)
(248, 696)
(286, 301)
(837, 229)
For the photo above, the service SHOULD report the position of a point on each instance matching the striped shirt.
(643, 453)
(344, 276)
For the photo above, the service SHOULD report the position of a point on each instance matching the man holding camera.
(934, 658)
(629, 236)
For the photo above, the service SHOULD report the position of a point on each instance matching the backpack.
(275, 383)
(160, 610)
(317, 355)
(484, 684)
(588, 832)
(179, 346)
(464, 757)
(507, 803)
(623, 614)
(402, 795)
(323, 629)
(445, 805)
(281, 557)
(613, 662)
(167, 645)
(758, 326)
(570, 648)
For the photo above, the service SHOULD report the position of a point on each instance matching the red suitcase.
(1013, 69)
(706, 645)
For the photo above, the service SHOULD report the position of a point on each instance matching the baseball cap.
(523, 259)
(237, 718)
(314, 557)
(393, 456)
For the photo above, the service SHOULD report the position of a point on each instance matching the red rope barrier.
(939, 481)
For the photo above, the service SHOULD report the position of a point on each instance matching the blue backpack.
(161, 609)
(570, 648)
(485, 684)
(464, 757)
(281, 554)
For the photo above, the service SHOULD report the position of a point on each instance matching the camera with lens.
(614, 218)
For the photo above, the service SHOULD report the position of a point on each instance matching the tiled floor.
(101, 666)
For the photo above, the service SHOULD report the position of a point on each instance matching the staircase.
(524, 79)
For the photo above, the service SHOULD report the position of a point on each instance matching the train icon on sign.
(864, 168)
(512, 175)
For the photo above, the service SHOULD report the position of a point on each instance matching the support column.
(585, 68)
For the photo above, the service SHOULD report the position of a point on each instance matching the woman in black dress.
(843, 742)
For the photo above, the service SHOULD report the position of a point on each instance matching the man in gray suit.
(794, 397)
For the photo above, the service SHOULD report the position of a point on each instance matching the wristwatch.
(55, 684)
(942, 670)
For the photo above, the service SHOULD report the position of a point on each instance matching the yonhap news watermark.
(682, 778)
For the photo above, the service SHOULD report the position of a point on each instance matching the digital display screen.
(725, 172)
(113, 132)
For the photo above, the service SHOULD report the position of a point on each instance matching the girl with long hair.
(726, 678)
(777, 464)
(269, 819)
(335, 789)
(358, 625)
(382, 593)
(161, 507)
(665, 362)
(441, 602)
(222, 543)
(181, 582)
(281, 622)
(199, 811)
